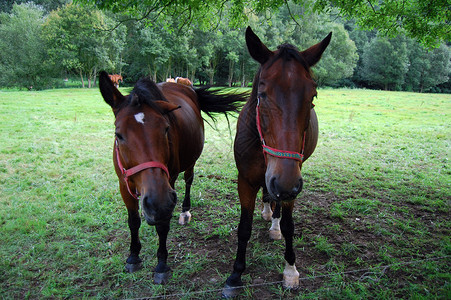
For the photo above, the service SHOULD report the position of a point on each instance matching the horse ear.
(167, 107)
(110, 93)
(313, 54)
(257, 49)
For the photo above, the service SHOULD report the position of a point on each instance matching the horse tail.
(215, 101)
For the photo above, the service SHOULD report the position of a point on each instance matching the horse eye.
(119, 136)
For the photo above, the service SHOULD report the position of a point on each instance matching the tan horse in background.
(115, 78)
(184, 81)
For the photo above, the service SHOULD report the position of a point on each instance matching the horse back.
(188, 128)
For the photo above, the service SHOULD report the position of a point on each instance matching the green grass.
(376, 198)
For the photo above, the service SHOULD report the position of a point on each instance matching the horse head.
(143, 139)
(284, 90)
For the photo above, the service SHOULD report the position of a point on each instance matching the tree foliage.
(39, 47)
(21, 47)
(424, 20)
(76, 39)
(427, 21)
(385, 63)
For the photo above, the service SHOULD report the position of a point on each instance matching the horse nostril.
(273, 187)
(298, 189)
(174, 197)
(148, 203)
(279, 193)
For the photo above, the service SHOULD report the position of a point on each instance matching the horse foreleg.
(162, 271)
(133, 262)
(275, 232)
(290, 274)
(185, 216)
(247, 194)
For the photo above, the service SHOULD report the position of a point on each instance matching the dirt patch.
(355, 247)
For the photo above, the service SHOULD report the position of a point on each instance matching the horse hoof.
(185, 218)
(290, 283)
(229, 292)
(131, 268)
(275, 234)
(161, 278)
(290, 278)
(267, 212)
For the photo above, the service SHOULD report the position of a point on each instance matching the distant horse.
(170, 79)
(116, 78)
(184, 81)
(277, 131)
(159, 133)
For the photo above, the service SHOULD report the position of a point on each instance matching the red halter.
(127, 173)
(273, 151)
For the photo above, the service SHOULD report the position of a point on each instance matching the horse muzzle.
(280, 191)
(158, 209)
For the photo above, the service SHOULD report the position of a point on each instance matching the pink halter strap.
(273, 151)
(136, 169)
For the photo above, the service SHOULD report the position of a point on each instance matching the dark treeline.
(45, 43)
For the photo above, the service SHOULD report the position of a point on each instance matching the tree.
(47, 5)
(22, 59)
(208, 45)
(337, 62)
(427, 69)
(146, 52)
(424, 20)
(78, 40)
(385, 63)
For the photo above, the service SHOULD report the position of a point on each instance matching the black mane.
(288, 52)
(146, 92)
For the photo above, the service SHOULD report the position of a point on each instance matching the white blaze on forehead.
(140, 118)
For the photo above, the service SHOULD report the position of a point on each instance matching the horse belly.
(311, 136)
(191, 143)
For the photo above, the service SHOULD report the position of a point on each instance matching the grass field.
(373, 220)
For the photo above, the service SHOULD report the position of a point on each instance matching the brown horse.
(159, 133)
(277, 131)
(116, 78)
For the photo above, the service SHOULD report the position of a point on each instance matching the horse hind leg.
(269, 215)
(185, 216)
(267, 211)
(274, 232)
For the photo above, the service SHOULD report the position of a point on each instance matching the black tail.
(216, 101)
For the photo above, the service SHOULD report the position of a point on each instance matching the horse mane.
(146, 92)
(288, 52)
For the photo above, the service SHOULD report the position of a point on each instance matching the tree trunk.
(94, 75)
(243, 79)
(82, 81)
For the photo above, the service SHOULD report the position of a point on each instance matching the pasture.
(373, 220)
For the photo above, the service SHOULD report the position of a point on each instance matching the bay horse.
(159, 133)
(277, 131)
